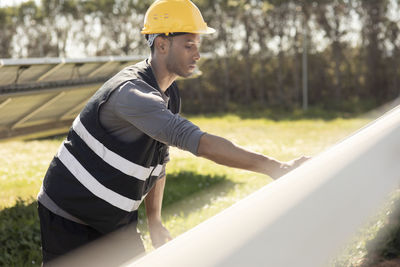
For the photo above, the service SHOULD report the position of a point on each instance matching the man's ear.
(161, 45)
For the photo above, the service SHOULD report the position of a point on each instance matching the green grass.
(377, 241)
(22, 167)
(283, 140)
(196, 188)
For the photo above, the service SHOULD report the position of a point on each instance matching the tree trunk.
(247, 60)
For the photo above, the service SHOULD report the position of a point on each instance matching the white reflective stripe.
(157, 170)
(87, 180)
(112, 158)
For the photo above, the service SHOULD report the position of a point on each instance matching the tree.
(8, 18)
(373, 15)
(333, 18)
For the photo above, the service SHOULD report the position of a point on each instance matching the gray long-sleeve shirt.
(136, 108)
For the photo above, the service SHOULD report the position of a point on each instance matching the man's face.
(183, 54)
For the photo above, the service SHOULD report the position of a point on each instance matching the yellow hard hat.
(169, 16)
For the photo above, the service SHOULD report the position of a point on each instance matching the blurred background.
(283, 78)
(343, 54)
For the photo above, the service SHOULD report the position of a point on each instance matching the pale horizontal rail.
(59, 60)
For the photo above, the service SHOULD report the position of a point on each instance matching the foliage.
(376, 244)
(256, 54)
(386, 244)
(20, 235)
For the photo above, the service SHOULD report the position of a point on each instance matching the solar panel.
(36, 70)
(43, 96)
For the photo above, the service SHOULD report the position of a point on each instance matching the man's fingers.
(160, 237)
(166, 236)
(301, 160)
(169, 238)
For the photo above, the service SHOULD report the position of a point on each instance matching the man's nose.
(197, 55)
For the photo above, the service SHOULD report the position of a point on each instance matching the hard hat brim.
(209, 30)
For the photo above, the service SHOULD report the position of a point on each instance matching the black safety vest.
(97, 178)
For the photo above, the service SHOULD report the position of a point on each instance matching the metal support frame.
(50, 71)
(36, 110)
(36, 131)
(75, 109)
(4, 103)
(100, 69)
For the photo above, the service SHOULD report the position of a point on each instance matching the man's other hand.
(159, 234)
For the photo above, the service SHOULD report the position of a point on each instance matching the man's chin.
(186, 75)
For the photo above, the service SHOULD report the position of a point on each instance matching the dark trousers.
(60, 236)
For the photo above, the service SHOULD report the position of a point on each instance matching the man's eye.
(188, 46)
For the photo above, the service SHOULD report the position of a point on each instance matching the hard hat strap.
(151, 37)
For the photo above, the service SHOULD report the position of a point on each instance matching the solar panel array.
(42, 96)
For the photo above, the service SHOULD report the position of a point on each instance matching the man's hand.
(159, 234)
(288, 166)
(223, 151)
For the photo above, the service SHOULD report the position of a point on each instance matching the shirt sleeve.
(146, 109)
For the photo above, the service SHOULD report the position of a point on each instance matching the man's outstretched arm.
(223, 151)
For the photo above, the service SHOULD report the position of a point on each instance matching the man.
(116, 151)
